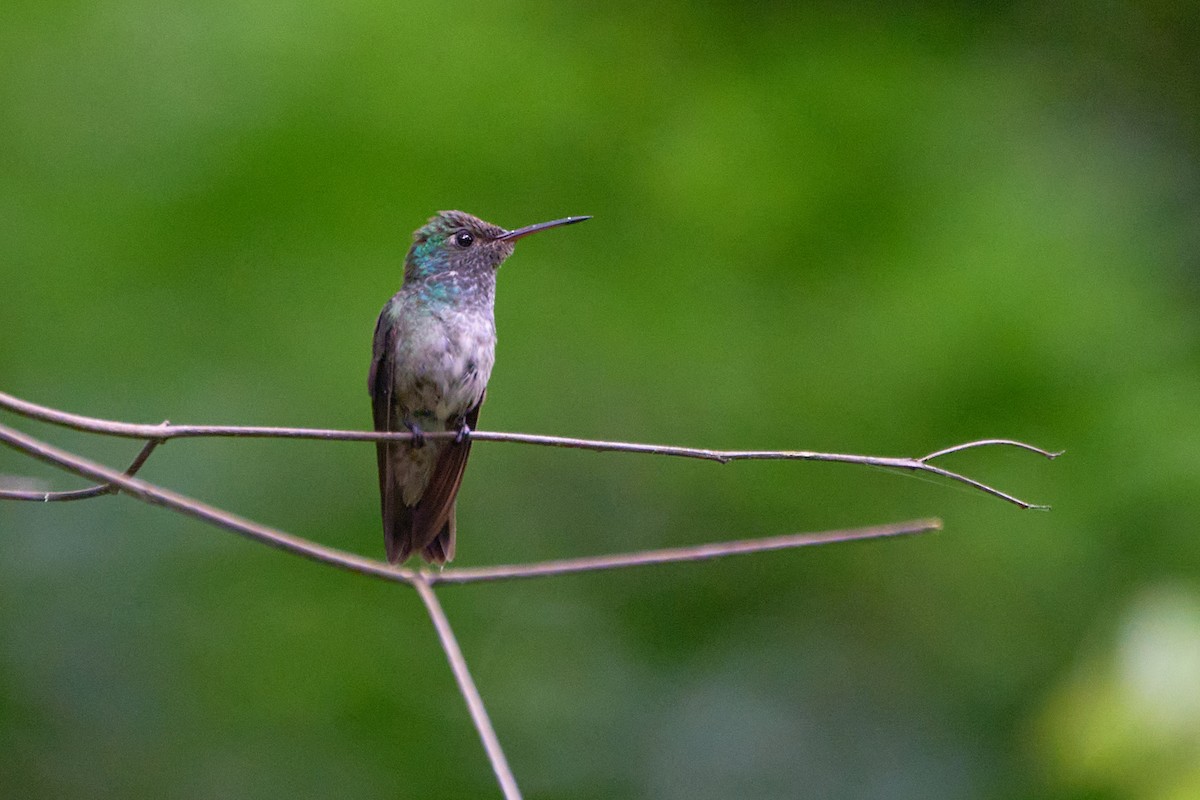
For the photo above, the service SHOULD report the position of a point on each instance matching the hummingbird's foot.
(464, 433)
(418, 435)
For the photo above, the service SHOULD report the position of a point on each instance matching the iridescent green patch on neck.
(427, 248)
(437, 293)
(424, 258)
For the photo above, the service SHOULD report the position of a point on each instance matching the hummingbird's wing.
(381, 383)
(433, 523)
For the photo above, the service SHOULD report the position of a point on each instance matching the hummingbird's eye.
(464, 239)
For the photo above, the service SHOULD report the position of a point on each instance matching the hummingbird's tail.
(400, 536)
(441, 549)
(397, 517)
(428, 525)
(397, 532)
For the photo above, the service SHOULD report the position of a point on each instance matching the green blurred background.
(853, 229)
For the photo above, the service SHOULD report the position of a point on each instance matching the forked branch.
(82, 494)
(197, 509)
(110, 481)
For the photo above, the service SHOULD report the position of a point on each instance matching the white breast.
(443, 369)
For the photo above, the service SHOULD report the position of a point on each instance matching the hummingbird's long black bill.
(512, 236)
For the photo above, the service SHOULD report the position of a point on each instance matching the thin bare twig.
(167, 431)
(671, 555)
(114, 481)
(197, 509)
(83, 494)
(1051, 454)
(111, 481)
(157, 495)
(466, 685)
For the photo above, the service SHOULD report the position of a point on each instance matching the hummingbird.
(434, 347)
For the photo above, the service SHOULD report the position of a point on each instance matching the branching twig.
(83, 494)
(167, 431)
(111, 481)
(157, 495)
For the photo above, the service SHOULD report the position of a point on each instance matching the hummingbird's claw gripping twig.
(418, 439)
(464, 433)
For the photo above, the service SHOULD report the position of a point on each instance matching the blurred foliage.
(1130, 717)
(843, 228)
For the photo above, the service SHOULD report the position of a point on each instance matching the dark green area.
(838, 229)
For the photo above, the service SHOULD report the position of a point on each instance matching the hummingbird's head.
(456, 242)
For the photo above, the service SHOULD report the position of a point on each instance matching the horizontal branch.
(674, 555)
(110, 481)
(166, 431)
(197, 509)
